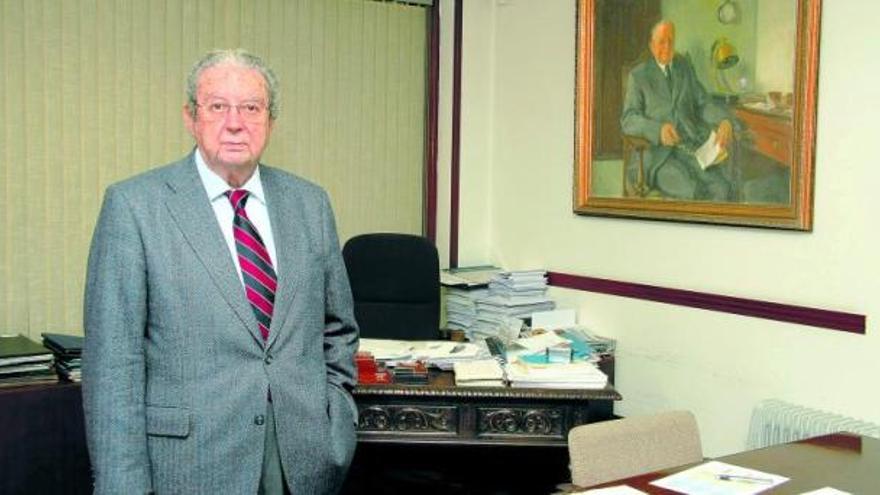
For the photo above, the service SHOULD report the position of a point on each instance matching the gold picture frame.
(767, 88)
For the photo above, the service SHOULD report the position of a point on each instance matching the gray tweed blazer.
(175, 373)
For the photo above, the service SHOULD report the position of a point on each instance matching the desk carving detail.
(442, 413)
(407, 419)
(516, 421)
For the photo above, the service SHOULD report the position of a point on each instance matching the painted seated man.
(666, 105)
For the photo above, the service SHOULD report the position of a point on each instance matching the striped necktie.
(259, 277)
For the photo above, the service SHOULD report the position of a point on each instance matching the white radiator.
(775, 421)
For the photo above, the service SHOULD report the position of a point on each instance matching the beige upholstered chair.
(610, 450)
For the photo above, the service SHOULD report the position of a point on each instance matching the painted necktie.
(259, 277)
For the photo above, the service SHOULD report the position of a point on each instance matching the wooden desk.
(441, 413)
(42, 440)
(771, 133)
(847, 462)
(43, 445)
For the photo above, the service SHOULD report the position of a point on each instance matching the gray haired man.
(218, 316)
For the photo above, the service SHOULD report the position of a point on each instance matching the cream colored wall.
(444, 130)
(718, 365)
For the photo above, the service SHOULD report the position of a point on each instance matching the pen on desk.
(747, 479)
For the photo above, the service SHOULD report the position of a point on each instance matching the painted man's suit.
(651, 100)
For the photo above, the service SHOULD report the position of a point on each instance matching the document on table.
(383, 349)
(551, 320)
(611, 490)
(478, 373)
(541, 341)
(720, 478)
(709, 153)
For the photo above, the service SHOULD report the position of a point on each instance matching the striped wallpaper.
(91, 92)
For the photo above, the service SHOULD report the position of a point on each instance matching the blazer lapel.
(676, 81)
(287, 228)
(194, 216)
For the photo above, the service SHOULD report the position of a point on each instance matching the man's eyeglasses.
(251, 111)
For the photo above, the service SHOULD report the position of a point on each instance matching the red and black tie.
(259, 277)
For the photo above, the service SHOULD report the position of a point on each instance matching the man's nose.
(233, 121)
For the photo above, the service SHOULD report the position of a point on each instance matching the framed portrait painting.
(697, 110)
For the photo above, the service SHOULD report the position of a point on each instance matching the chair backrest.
(395, 283)
(611, 450)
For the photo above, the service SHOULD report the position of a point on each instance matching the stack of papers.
(522, 284)
(441, 354)
(68, 354)
(505, 328)
(611, 490)
(23, 361)
(540, 346)
(461, 307)
(512, 296)
(479, 373)
(577, 375)
(468, 277)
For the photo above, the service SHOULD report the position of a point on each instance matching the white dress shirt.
(256, 208)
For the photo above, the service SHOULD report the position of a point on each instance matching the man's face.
(234, 139)
(663, 43)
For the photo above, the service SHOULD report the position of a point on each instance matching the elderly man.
(666, 104)
(219, 333)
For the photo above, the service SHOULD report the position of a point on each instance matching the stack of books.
(414, 373)
(442, 354)
(480, 373)
(513, 296)
(461, 308)
(23, 362)
(464, 287)
(68, 355)
(576, 375)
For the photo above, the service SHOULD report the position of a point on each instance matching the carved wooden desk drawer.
(440, 412)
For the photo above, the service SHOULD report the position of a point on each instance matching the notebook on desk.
(18, 349)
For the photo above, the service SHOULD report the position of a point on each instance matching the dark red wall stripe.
(430, 186)
(834, 320)
(456, 137)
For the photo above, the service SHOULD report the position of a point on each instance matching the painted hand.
(668, 135)
(724, 134)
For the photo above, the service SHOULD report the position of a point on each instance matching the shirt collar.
(215, 186)
(663, 67)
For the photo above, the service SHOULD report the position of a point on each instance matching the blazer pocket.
(348, 403)
(166, 421)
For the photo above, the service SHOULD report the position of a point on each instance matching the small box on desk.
(411, 373)
(369, 371)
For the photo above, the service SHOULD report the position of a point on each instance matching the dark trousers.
(272, 480)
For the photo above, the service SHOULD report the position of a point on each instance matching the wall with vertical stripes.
(91, 92)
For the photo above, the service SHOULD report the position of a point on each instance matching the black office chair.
(395, 282)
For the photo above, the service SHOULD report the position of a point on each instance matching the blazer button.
(268, 359)
(259, 419)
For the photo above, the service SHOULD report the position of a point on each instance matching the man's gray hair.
(236, 56)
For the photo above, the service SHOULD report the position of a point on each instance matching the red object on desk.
(369, 371)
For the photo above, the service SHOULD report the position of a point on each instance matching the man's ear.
(188, 119)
